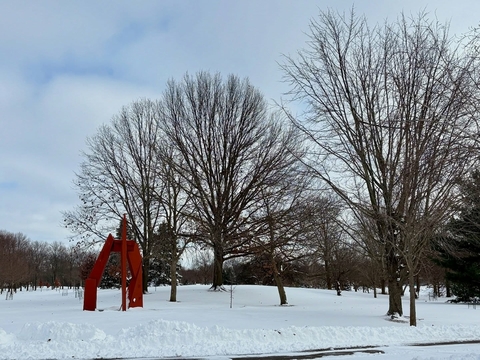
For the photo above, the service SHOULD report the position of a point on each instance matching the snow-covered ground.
(50, 324)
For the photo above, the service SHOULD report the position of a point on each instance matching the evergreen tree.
(112, 275)
(158, 272)
(459, 251)
(119, 230)
(162, 256)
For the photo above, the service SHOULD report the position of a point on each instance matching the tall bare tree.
(388, 110)
(120, 175)
(231, 148)
(178, 230)
(277, 236)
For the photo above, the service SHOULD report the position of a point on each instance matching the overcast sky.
(67, 66)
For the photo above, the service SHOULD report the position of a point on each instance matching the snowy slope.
(48, 324)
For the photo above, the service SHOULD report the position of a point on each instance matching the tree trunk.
(394, 298)
(145, 263)
(218, 259)
(328, 275)
(413, 311)
(394, 286)
(384, 290)
(278, 282)
(417, 280)
(448, 289)
(173, 279)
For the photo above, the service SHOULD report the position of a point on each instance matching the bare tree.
(58, 260)
(14, 266)
(388, 110)
(278, 234)
(120, 175)
(231, 148)
(323, 233)
(364, 232)
(177, 231)
(203, 265)
(37, 259)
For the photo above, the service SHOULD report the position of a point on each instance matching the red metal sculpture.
(129, 251)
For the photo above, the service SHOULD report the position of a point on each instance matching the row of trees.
(389, 130)
(329, 259)
(32, 263)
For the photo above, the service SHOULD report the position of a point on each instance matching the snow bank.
(159, 338)
(46, 325)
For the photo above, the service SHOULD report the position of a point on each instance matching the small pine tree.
(158, 272)
(162, 255)
(118, 232)
(112, 276)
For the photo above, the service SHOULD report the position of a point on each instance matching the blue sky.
(66, 67)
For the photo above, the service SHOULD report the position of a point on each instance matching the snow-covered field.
(50, 324)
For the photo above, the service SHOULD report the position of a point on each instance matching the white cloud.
(67, 67)
(41, 149)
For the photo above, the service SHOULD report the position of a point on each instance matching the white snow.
(48, 324)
